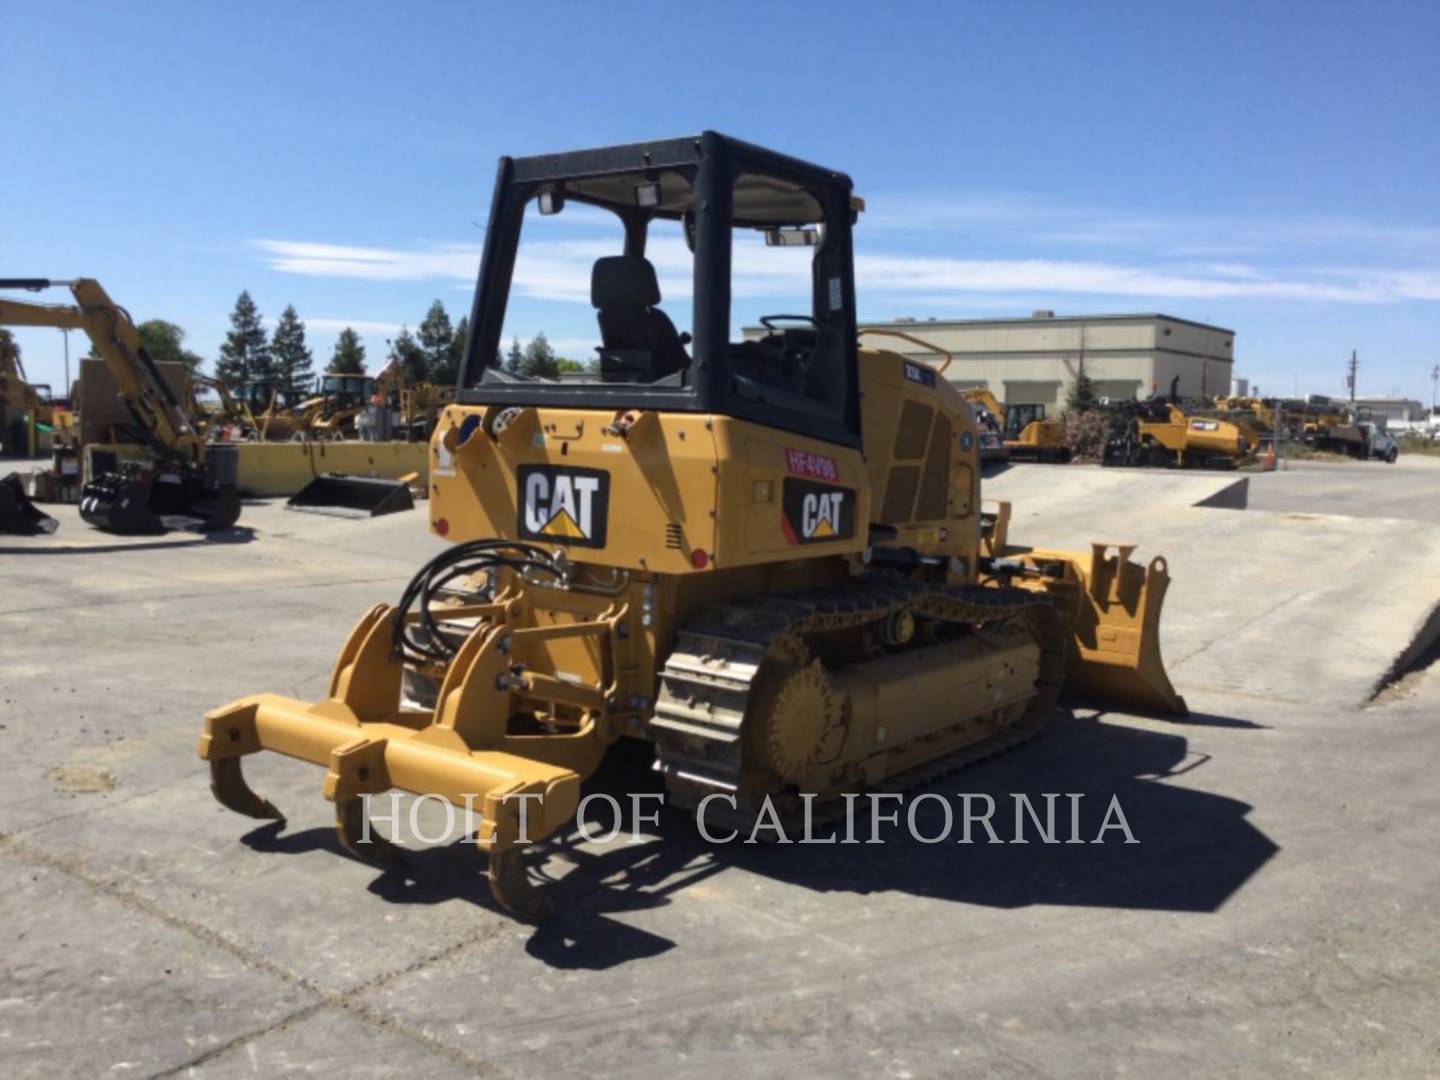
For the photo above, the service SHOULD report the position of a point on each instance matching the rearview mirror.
(551, 202)
(801, 237)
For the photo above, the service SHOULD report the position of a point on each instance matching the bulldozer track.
(708, 679)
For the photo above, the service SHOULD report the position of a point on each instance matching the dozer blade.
(1114, 616)
(18, 514)
(352, 496)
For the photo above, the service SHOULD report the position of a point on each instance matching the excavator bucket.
(142, 499)
(18, 514)
(1113, 607)
(352, 496)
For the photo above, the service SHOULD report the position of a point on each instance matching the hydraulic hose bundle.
(421, 641)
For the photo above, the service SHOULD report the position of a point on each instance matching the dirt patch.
(81, 779)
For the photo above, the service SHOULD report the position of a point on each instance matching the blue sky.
(1273, 168)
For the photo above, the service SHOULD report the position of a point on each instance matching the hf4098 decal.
(563, 505)
(813, 513)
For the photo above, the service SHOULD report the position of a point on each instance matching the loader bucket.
(1114, 614)
(352, 496)
(18, 514)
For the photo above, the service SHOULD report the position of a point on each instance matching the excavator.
(181, 481)
(766, 558)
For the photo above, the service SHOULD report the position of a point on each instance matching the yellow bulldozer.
(767, 558)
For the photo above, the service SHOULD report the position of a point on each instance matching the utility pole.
(1434, 382)
(1350, 369)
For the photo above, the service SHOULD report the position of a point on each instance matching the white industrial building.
(1404, 410)
(1033, 361)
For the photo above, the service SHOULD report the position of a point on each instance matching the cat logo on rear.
(562, 505)
(812, 513)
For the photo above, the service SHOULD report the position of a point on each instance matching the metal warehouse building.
(1033, 361)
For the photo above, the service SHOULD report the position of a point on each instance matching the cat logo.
(813, 513)
(564, 506)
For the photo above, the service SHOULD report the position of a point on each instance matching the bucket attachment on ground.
(18, 514)
(352, 496)
(148, 497)
(1112, 605)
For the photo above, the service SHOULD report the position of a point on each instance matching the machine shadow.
(237, 534)
(1193, 849)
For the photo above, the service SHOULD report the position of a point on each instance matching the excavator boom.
(180, 479)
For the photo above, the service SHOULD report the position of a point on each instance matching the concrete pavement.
(1276, 917)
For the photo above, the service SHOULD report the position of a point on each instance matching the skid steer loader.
(767, 558)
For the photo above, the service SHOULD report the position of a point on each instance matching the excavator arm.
(178, 481)
(157, 412)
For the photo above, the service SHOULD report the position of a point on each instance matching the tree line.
(284, 360)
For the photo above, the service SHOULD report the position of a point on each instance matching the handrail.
(949, 357)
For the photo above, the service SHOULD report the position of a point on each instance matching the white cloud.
(369, 263)
(1029, 219)
(360, 326)
(559, 270)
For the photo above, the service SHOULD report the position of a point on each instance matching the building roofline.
(1031, 320)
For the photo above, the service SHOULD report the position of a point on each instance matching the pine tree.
(540, 361)
(515, 357)
(436, 336)
(448, 373)
(411, 357)
(292, 360)
(1082, 396)
(349, 357)
(164, 342)
(245, 356)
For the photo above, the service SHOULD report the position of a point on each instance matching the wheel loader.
(769, 559)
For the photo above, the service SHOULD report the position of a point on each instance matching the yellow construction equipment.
(1159, 433)
(181, 480)
(25, 407)
(1029, 435)
(767, 558)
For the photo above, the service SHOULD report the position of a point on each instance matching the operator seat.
(640, 342)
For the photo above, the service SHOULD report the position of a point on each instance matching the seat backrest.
(624, 292)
